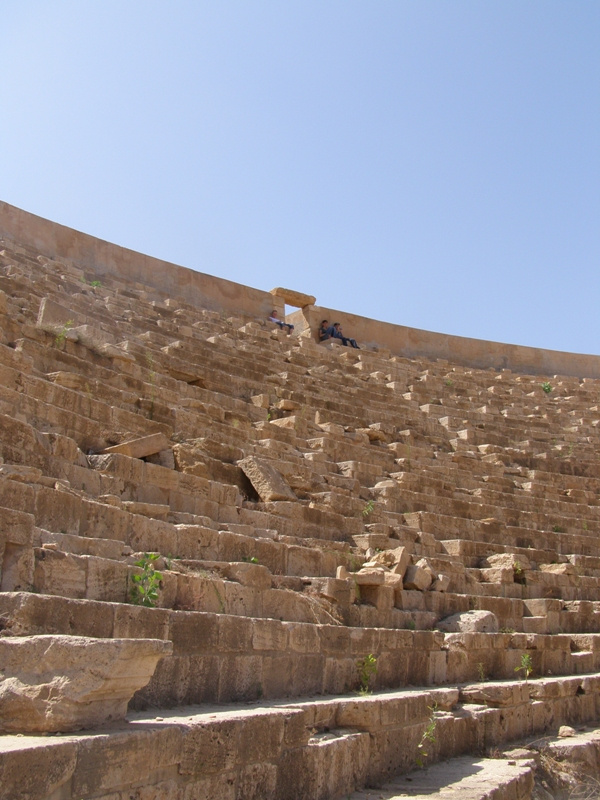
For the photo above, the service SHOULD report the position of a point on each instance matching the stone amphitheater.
(238, 565)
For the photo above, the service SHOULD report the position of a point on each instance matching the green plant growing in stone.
(62, 334)
(427, 738)
(145, 586)
(546, 387)
(250, 559)
(526, 665)
(367, 669)
(410, 625)
(481, 671)
(368, 509)
(518, 573)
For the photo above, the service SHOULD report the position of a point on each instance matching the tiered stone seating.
(308, 506)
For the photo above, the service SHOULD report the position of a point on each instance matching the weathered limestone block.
(498, 575)
(397, 560)
(417, 578)
(53, 317)
(93, 338)
(402, 560)
(261, 400)
(470, 622)
(440, 584)
(293, 298)
(496, 695)
(370, 577)
(382, 597)
(142, 447)
(509, 561)
(20, 443)
(424, 564)
(23, 474)
(394, 580)
(267, 481)
(16, 553)
(558, 569)
(65, 683)
(247, 574)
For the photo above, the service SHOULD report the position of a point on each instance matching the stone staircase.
(306, 507)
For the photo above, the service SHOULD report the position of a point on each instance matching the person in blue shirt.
(326, 331)
(338, 334)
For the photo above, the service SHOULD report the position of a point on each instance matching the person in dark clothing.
(338, 334)
(326, 331)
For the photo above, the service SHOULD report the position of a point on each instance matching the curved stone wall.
(207, 291)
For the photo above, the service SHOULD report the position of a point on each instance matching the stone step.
(468, 777)
(238, 589)
(305, 749)
(223, 658)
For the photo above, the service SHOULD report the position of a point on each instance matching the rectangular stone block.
(240, 678)
(268, 635)
(16, 552)
(133, 622)
(117, 760)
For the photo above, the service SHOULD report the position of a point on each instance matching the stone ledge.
(66, 683)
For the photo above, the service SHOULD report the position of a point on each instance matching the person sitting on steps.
(337, 334)
(326, 331)
(283, 325)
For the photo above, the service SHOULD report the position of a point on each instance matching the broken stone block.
(510, 561)
(248, 574)
(416, 577)
(285, 422)
(402, 560)
(370, 577)
(91, 337)
(54, 318)
(288, 405)
(424, 564)
(566, 731)
(558, 569)
(140, 448)
(268, 482)
(495, 695)
(498, 575)
(470, 622)
(191, 459)
(383, 559)
(260, 400)
(394, 580)
(66, 683)
(440, 584)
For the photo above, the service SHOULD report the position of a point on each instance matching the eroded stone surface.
(65, 683)
(268, 482)
(470, 622)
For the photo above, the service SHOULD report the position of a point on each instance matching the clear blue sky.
(429, 163)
